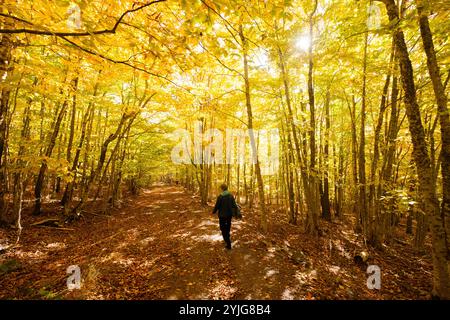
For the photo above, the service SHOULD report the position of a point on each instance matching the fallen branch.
(97, 215)
(111, 236)
(57, 228)
(47, 222)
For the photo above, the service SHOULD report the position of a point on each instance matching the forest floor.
(164, 245)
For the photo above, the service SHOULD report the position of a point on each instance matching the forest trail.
(164, 245)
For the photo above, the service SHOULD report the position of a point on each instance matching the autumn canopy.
(312, 112)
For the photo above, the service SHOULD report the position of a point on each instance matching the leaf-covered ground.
(164, 245)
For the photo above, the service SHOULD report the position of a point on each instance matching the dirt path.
(164, 245)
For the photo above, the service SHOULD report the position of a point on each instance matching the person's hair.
(224, 187)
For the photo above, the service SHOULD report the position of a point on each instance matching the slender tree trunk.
(289, 176)
(251, 133)
(312, 226)
(87, 118)
(352, 110)
(362, 207)
(340, 184)
(326, 213)
(374, 196)
(72, 120)
(386, 186)
(5, 69)
(290, 120)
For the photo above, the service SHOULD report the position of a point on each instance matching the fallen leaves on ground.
(164, 245)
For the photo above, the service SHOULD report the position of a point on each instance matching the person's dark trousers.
(225, 227)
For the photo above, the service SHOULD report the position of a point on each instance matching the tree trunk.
(443, 115)
(312, 226)
(72, 120)
(5, 69)
(374, 195)
(97, 171)
(362, 207)
(48, 153)
(87, 118)
(352, 110)
(326, 213)
(427, 190)
(289, 175)
(19, 184)
(251, 133)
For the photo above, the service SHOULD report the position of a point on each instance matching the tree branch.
(126, 63)
(72, 34)
(220, 61)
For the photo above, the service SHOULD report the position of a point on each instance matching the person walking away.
(225, 205)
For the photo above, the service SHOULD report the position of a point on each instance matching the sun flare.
(303, 43)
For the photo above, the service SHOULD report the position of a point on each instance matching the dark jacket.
(225, 205)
